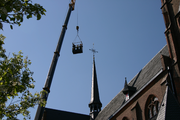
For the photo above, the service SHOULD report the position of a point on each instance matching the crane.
(40, 109)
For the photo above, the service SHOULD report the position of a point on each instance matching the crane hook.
(77, 28)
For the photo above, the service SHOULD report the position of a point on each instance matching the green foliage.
(13, 11)
(15, 82)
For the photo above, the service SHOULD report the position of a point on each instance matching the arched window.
(125, 118)
(152, 107)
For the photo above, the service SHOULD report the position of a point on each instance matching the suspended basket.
(77, 46)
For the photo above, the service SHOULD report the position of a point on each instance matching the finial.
(125, 84)
(94, 51)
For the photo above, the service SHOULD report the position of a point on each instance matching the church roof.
(150, 70)
(52, 114)
(166, 112)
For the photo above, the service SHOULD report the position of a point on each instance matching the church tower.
(171, 13)
(95, 103)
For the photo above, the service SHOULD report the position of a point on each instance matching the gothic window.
(125, 118)
(152, 107)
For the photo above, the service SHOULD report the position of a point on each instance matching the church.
(153, 93)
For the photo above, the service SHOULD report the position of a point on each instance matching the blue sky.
(127, 35)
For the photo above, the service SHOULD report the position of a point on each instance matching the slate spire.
(169, 108)
(126, 89)
(95, 103)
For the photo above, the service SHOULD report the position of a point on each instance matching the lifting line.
(77, 28)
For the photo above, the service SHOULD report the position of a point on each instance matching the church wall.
(176, 79)
(175, 4)
(173, 36)
(169, 10)
(136, 108)
(176, 72)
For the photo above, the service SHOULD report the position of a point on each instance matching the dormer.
(128, 90)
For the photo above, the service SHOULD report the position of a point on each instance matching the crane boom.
(40, 109)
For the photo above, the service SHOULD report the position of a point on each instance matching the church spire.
(95, 103)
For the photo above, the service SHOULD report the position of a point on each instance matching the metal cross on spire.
(94, 51)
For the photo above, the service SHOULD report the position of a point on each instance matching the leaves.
(11, 26)
(1, 26)
(29, 16)
(15, 82)
(3, 17)
(38, 16)
(13, 11)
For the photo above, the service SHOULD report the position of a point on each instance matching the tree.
(15, 82)
(15, 76)
(13, 11)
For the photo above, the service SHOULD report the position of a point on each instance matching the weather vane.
(94, 51)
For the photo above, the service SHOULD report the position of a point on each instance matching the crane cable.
(77, 28)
